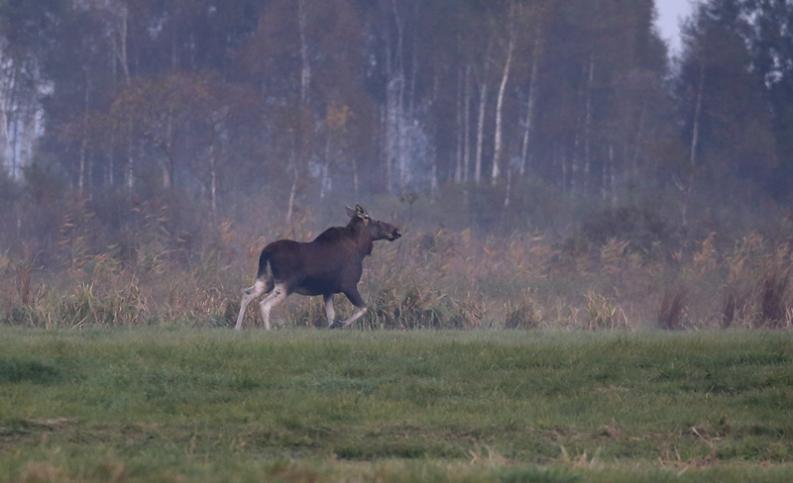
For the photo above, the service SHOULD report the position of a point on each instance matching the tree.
(727, 122)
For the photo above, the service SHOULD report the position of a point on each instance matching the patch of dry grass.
(428, 279)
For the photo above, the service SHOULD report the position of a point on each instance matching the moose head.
(377, 230)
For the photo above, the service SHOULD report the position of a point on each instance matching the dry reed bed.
(156, 274)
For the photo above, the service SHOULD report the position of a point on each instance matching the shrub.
(602, 313)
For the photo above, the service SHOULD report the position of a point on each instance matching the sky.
(670, 13)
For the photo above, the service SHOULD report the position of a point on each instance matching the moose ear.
(362, 214)
(358, 211)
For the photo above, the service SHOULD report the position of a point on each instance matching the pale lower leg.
(330, 312)
(248, 295)
(357, 315)
(277, 296)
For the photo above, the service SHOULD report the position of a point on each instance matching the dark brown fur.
(332, 263)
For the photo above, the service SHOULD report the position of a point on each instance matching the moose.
(332, 263)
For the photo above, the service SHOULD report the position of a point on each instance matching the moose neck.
(363, 238)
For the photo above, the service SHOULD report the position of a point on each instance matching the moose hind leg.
(355, 298)
(275, 297)
(248, 295)
(330, 312)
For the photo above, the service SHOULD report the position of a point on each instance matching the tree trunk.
(399, 101)
(692, 158)
(386, 149)
(694, 144)
(497, 142)
(574, 161)
(130, 160)
(15, 145)
(84, 138)
(637, 148)
(458, 119)
(123, 52)
(324, 184)
(467, 125)
(480, 133)
(395, 154)
(508, 190)
(532, 100)
(13, 118)
(588, 121)
(355, 182)
(305, 67)
(167, 163)
(112, 160)
(292, 194)
(434, 178)
(213, 183)
(81, 174)
(563, 160)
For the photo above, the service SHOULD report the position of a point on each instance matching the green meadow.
(311, 405)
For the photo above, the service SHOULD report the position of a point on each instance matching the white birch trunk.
(480, 133)
(4, 111)
(508, 191)
(122, 51)
(613, 178)
(532, 100)
(694, 143)
(502, 88)
(458, 119)
(355, 182)
(323, 180)
(167, 162)
(13, 118)
(400, 153)
(563, 161)
(213, 183)
(604, 177)
(637, 148)
(290, 207)
(130, 160)
(588, 121)
(112, 160)
(467, 125)
(395, 153)
(574, 161)
(84, 138)
(692, 158)
(81, 174)
(385, 141)
(15, 144)
(305, 70)
(434, 178)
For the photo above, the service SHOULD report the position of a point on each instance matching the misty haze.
(597, 206)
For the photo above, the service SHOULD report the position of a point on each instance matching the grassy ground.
(211, 405)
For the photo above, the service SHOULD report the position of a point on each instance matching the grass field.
(305, 405)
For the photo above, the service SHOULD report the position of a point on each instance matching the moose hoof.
(337, 324)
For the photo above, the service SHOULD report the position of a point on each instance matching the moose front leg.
(357, 315)
(355, 298)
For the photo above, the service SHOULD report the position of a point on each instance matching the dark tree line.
(307, 98)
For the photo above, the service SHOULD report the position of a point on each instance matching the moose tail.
(264, 260)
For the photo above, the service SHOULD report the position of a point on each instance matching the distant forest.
(488, 107)
(550, 163)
